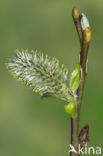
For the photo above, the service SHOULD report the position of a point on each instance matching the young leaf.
(75, 78)
(42, 73)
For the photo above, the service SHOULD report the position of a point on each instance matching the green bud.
(75, 78)
(70, 108)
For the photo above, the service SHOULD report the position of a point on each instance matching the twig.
(84, 37)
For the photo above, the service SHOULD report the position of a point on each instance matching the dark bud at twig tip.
(83, 136)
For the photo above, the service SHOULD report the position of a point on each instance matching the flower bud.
(87, 34)
(70, 108)
(84, 22)
(75, 13)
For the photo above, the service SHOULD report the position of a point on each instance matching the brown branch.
(84, 37)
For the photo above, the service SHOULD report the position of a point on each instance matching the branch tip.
(75, 13)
